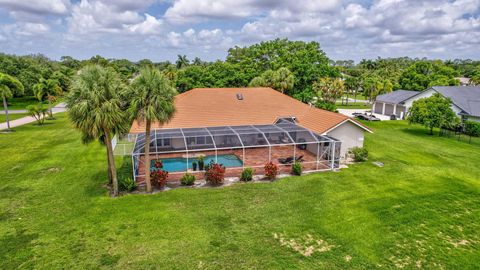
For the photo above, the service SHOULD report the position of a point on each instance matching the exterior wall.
(427, 93)
(473, 118)
(400, 111)
(350, 135)
(377, 107)
(389, 109)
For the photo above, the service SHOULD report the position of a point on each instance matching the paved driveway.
(349, 113)
(29, 119)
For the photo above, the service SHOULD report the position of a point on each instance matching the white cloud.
(149, 26)
(345, 29)
(184, 11)
(95, 16)
(58, 7)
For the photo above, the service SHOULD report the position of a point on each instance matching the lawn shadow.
(16, 249)
(436, 134)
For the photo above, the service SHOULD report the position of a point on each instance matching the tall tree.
(8, 86)
(423, 74)
(352, 84)
(305, 60)
(152, 100)
(182, 61)
(95, 107)
(48, 89)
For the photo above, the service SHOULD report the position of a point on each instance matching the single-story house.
(465, 101)
(394, 103)
(246, 127)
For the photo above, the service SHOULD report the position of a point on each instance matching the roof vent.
(239, 96)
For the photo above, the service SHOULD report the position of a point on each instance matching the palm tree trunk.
(6, 112)
(111, 163)
(110, 180)
(147, 156)
(50, 107)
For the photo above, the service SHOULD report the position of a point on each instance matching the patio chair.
(286, 160)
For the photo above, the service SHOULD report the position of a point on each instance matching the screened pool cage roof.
(283, 132)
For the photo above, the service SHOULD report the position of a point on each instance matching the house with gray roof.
(393, 103)
(465, 101)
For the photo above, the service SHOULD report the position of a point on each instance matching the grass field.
(20, 103)
(12, 116)
(421, 210)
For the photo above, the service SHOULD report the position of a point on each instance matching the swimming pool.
(180, 164)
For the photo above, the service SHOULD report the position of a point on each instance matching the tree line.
(295, 68)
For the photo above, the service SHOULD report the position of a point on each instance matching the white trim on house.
(347, 120)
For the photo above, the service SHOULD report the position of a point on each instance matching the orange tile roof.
(207, 107)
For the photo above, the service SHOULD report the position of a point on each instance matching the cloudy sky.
(161, 29)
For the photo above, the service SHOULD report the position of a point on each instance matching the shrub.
(472, 128)
(247, 174)
(194, 165)
(271, 171)
(158, 164)
(297, 168)
(127, 184)
(159, 178)
(359, 153)
(187, 179)
(326, 106)
(214, 173)
(201, 162)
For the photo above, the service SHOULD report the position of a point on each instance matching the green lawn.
(421, 209)
(12, 116)
(20, 103)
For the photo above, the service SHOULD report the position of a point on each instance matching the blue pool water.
(179, 164)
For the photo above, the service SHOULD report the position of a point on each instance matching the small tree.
(283, 80)
(329, 89)
(48, 89)
(432, 112)
(37, 111)
(472, 129)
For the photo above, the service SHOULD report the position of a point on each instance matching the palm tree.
(8, 86)
(257, 82)
(284, 80)
(95, 108)
(182, 61)
(171, 74)
(152, 100)
(47, 88)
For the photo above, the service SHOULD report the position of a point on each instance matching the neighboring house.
(248, 127)
(463, 81)
(465, 101)
(393, 103)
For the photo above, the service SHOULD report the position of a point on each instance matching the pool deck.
(254, 157)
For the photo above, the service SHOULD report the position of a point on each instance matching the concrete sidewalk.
(13, 111)
(29, 119)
